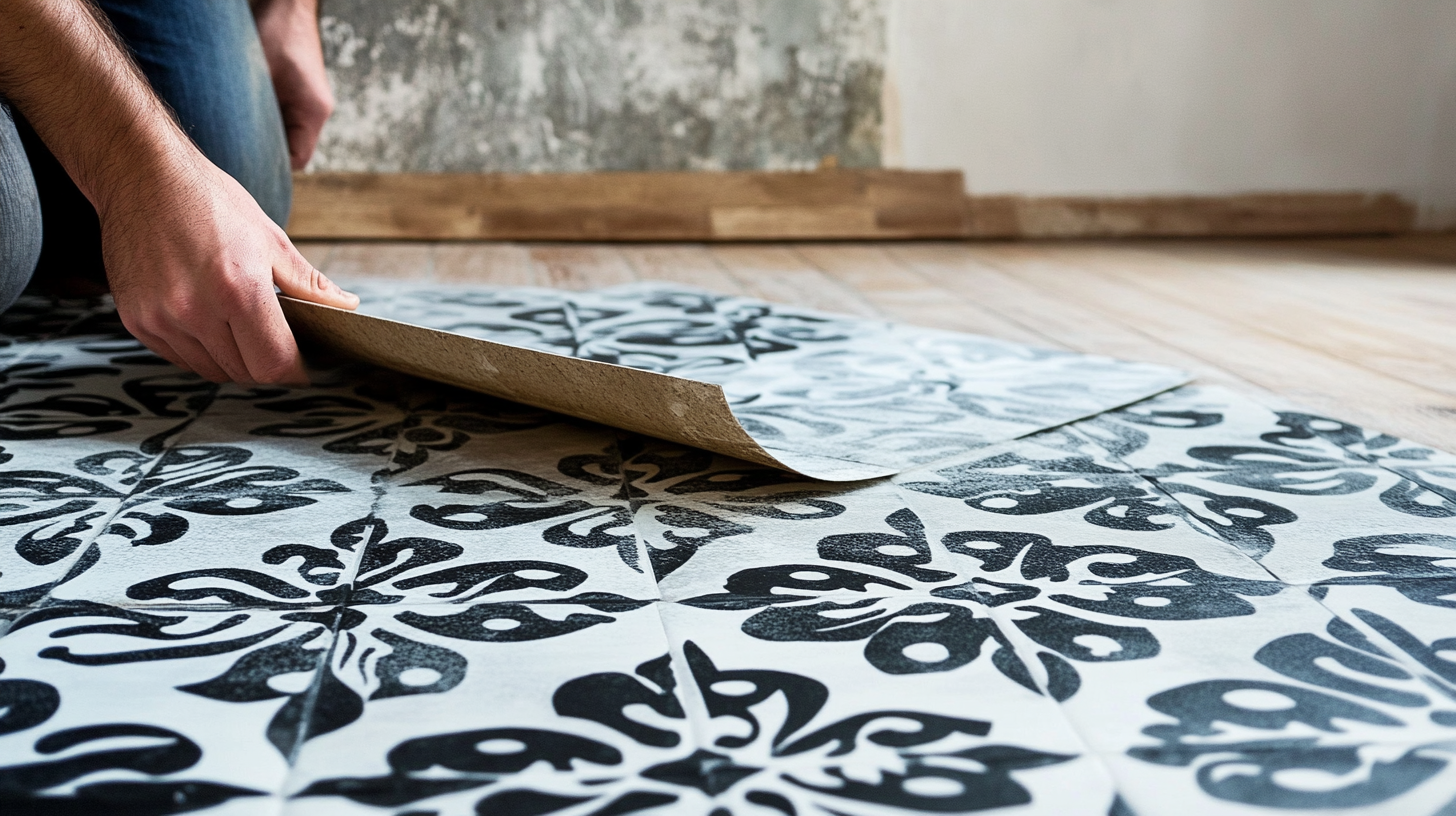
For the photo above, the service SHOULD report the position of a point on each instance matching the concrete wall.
(1132, 97)
(1032, 97)
(570, 85)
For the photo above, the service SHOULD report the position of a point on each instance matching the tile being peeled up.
(827, 396)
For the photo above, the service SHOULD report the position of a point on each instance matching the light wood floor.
(1362, 330)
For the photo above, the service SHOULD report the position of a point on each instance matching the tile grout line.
(1044, 690)
(123, 504)
(325, 664)
(1194, 521)
(310, 703)
(681, 671)
(1196, 524)
(1305, 589)
(644, 550)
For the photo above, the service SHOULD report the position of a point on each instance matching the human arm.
(289, 31)
(191, 258)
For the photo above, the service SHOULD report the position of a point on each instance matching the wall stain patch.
(583, 85)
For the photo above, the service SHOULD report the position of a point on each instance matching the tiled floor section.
(382, 596)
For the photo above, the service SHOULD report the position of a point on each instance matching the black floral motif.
(387, 568)
(1248, 739)
(329, 643)
(1146, 500)
(804, 603)
(152, 751)
(144, 498)
(755, 763)
(362, 423)
(1420, 566)
(510, 498)
(328, 610)
(1059, 596)
(1417, 493)
(1306, 455)
(639, 478)
(330, 569)
(1013, 484)
(54, 385)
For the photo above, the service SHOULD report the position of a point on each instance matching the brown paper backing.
(661, 405)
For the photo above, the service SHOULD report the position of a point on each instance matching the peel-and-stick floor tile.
(384, 596)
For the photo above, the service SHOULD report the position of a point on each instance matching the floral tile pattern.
(383, 596)
(873, 397)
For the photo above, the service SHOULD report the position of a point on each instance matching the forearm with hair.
(63, 68)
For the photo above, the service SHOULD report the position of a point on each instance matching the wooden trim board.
(1234, 216)
(775, 206)
(881, 204)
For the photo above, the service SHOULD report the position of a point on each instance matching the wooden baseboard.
(1256, 215)
(767, 206)
(848, 204)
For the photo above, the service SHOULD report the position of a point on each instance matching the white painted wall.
(1149, 97)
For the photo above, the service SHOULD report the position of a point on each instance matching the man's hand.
(191, 257)
(192, 262)
(290, 34)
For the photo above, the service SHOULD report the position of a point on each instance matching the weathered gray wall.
(574, 85)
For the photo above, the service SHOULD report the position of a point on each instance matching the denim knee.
(20, 221)
(204, 58)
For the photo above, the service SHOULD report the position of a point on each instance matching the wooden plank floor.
(1363, 330)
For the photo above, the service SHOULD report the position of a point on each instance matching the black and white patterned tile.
(60, 488)
(802, 383)
(384, 596)
(110, 709)
(1288, 488)
(1304, 711)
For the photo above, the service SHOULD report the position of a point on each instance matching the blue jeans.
(204, 59)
